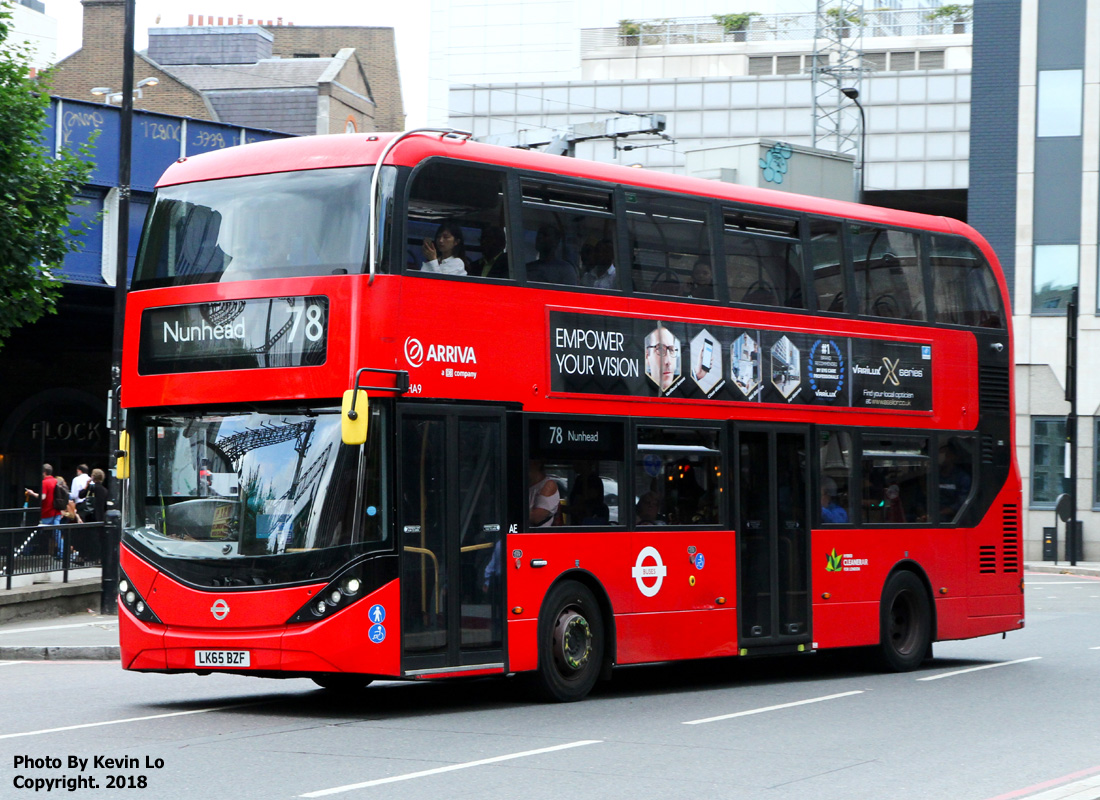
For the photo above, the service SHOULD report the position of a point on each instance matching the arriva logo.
(414, 352)
(442, 353)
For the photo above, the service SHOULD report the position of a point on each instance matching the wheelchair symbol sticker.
(377, 634)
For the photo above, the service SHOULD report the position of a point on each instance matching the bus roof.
(357, 149)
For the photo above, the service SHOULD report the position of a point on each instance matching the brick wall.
(377, 53)
(97, 63)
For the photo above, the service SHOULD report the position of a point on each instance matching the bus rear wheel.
(342, 683)
(571, 642)
(905, 618)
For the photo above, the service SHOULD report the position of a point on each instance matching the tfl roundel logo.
(220, 609)
(414, 352)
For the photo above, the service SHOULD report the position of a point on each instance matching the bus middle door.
(451, 524)
(773, 530)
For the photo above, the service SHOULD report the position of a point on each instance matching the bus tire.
(905, 619)
(571, 643)
(342, 683)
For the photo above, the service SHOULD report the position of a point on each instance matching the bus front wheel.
(906, 623)
(571, 642)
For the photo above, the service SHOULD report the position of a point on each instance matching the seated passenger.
(648, 511)
(599, 267)
(543, 496)
(447, 253)
(494, 261)
(702, 280)
(550, 267)
(831, 511)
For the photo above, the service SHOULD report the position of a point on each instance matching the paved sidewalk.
(92, 636)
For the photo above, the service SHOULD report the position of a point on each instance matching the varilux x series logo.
(891, 370)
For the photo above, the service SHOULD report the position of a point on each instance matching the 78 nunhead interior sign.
(595, 354)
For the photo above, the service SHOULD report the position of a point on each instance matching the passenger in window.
(550, 267)
(543, 497)
(954, 483)
(446, 254)
(648, 511)
(494, 261)
(702, 280)
(831, 511)
(666, 282)
(587, 501)
(599, 267)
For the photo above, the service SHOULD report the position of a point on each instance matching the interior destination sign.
(258, 333)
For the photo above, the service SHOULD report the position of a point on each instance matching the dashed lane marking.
(449, 768)
(977, 669)
(773, 708)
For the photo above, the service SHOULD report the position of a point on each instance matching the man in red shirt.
(50, 516)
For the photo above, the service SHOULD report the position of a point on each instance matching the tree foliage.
(36, 191)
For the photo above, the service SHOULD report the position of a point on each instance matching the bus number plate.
(222, 658)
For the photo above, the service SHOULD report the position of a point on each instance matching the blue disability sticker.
(699, 561)
(377, 634)
(377, 614)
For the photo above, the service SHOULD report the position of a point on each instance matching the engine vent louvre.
(987, 559)
(993, 388)
(1011, 543)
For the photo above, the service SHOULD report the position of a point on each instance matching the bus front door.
(773, 524)
(451, 526)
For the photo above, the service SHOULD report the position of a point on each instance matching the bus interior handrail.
(374, 180)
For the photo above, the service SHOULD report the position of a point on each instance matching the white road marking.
(976, 669)
(58, 627)
(128, 719)
(450, 768)
(10, 663)
(1094, 648)
(1059, 583)
(773, 708)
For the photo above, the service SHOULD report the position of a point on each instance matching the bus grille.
(987, 559)
(987, 449)
(1011, 552)
(994, 391)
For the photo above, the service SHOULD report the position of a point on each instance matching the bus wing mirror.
(354, 416)
(122, 460)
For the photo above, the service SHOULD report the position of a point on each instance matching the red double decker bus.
(410, 407)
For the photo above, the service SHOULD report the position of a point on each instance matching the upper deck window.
(965, 290)
(669, 246)
(889, 281)
(827, 261)
(262, 226)
(456, 221)
(763, 259)
(569, 235)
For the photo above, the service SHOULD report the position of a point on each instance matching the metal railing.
(29, 548)
(765, 28)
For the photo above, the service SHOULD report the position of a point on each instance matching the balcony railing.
(765, 28)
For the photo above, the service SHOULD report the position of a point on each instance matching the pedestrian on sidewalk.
(79, 483)
(50, 516)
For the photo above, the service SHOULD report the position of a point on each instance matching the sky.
(408, 18)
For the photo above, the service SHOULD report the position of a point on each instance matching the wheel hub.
(572, 641)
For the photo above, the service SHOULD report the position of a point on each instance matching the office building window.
(1060, 98)
(1048, 460)
(1054, 275)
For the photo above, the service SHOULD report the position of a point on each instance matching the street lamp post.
(852, 94)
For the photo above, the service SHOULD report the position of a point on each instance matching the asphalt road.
(987, 719)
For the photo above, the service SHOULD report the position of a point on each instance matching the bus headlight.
(342, 591)
(134, 602)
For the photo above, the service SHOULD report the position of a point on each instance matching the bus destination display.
(234, 334)
(591, 354)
